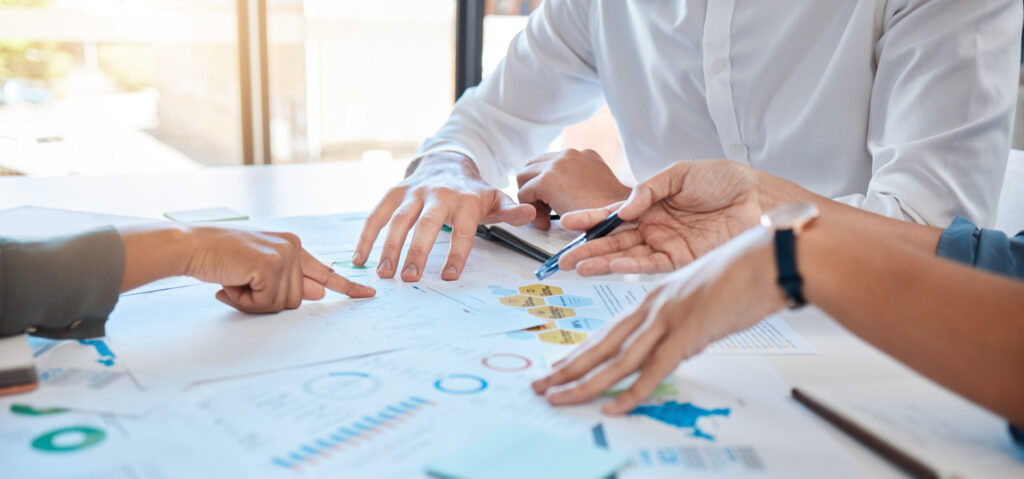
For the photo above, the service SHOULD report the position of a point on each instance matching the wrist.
(444, 162)
(764, 279)
(181, 242)
(773, 192)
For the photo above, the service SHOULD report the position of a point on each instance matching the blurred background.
(91, 87)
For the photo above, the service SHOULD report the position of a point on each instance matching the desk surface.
(315, 189)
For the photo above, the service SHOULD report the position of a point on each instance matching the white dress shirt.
(901, 107)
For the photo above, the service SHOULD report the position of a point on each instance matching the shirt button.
(75, 325)
(717, 67)
(737, 149)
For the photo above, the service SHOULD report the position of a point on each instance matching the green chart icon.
(69, 439)
(347, 264)
(24, 410)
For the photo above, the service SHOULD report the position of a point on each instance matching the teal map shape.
(683, 416)
(106, 355)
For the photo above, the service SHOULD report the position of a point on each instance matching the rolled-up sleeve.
(62, 288)
(990, 250)
(546, 82)
(942, 109)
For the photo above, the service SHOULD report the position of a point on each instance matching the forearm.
(60, 288)
(154, 252)
(449, 162)
(774, 191)
(960, 327)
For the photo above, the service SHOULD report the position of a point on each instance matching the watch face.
(789, 216)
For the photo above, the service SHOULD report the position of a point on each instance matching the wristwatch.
(786, 222)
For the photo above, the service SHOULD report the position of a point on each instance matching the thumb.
(583, 220)
(662, 185)
(508, 211)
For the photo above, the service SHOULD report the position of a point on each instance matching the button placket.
(718, 78)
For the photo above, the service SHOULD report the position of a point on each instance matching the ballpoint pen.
(606, 226)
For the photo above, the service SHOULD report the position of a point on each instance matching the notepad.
(530, 240)
(17, 365)
(920, 426)
(516, 452)
(204, 215)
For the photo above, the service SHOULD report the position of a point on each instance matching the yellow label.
(547, 325)
(561, 336)
(522, 301)
(552, 312)
(541, 290)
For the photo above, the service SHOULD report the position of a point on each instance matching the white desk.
(315, 189)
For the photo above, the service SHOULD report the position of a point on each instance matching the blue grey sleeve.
(989, 250)
(61, 288)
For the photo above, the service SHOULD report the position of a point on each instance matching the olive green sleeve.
(62, 288)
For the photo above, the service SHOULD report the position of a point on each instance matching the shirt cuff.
(990, 250)
(62, 288)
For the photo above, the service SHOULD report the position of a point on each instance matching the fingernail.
(451, 271)
(384, 266)
(409, 270)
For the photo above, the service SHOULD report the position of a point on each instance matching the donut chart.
(461, 384)
(507, 362)
(69, 439)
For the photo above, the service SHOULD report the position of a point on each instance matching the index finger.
(324, 276)
(617, 242)
(380, 216)
(340, 284)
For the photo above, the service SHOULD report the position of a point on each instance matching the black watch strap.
(789, 277)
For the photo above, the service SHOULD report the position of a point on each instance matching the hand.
(673, 218)
(567, 181)
(445, 188)
(263, 272)
(725, 291)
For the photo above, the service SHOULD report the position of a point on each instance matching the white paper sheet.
(35, 222)
(385, 416)
(183, 335)
(55, 444)
(773, 335)
(735, 419)
(87, 375)
(943, 430)
(389, 415)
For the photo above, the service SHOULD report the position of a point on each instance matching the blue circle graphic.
(460, 384)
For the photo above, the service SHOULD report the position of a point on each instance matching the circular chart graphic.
(342, 385)
(460, 384)
(507, 362)
(69, 439)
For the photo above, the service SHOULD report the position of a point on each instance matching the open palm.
(673, 218)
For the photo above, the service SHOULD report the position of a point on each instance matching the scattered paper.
(515, 452)
(732, 418)
(87, 375)
(770, 336)
(179, 336)
(940, 428)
